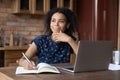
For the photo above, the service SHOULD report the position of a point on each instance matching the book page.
(41, 67)
(44, 67)
(21, 70)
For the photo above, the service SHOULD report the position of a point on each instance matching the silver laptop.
(91, 56)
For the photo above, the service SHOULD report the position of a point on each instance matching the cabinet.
(39, 6)
(1, 58)
(21, 6)
(29, 6)
(67, 3)
(59, 3)
(11, 54)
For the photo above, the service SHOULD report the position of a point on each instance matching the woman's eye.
(52, 20)
(62, 21)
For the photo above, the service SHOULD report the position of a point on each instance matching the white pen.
(26, 58)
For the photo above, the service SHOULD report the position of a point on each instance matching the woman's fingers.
(29, 66)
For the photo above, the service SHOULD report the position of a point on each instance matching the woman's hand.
(60, 37)
(23, 62)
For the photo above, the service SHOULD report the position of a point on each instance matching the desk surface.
(96, 75)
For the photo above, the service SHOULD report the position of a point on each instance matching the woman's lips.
(57, 29)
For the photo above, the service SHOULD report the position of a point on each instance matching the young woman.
(58, 42)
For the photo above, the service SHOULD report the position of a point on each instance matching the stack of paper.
(114, 67)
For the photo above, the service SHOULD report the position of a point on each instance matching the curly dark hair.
(70, 18)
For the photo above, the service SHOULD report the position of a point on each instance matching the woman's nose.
(56, 23)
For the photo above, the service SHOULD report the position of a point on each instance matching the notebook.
(91, 56)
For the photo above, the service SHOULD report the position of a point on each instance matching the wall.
(25, 25)
(98, 20)
(118, 27)
(32, 25)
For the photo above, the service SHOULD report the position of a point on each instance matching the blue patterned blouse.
(51, 52)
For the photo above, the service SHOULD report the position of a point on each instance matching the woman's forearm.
(73, 44)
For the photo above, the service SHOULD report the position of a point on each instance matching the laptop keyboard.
(70, 68)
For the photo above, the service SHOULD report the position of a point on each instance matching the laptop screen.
(92, 55)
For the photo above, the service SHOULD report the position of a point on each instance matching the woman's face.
(58, 23)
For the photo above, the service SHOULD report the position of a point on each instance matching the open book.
(41, 68)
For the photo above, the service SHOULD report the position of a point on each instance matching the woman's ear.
(68, 25)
